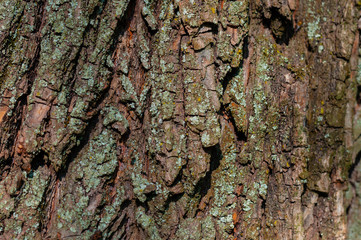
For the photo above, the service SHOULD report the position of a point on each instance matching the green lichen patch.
(196, 228)
(225, 181)
(147, 224)
(197, 100)
(113, 118)
(87, 174)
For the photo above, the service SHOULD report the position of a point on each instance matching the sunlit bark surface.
(180, 119)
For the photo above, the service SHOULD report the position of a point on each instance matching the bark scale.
(146, 119)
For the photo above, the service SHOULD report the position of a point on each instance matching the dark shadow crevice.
(123, 24)
(205, 183)
(229, 76)
(174, 198)
(281, 27)
(354, 165)
(358, 95)
(84, 139)
(39, 160)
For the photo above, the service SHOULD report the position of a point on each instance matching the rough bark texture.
(170, 119)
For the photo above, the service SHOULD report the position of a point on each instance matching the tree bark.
(146, 119)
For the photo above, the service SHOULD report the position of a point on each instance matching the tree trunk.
(150, 119)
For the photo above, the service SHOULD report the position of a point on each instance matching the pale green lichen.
(236, 89)
(237, 101)
(140, 183)
(130, 94)
(196, 228)
(101, 159)
(34, 189)
(320, 48)
(197, 100)
(149, 17)
(96, 164)
(263, 66)
(212, 133)
(24, 220)
(225, 182)
(167, 104)
(113, 115)
(9, 12)
(110, 211)
(147, 224)
(189, 15)
(313, 25)
(313, 28)
(247, 205)
(238, 13)
(144, 49)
